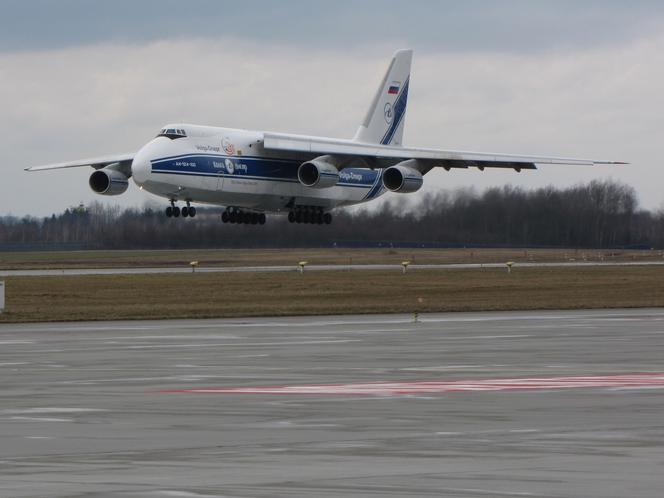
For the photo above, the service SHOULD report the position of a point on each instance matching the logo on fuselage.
(230, 167)
(229, 148)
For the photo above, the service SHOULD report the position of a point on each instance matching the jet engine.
(318, 173)
(402, 178)
(107, 181)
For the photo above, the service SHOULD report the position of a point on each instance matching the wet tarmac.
(543, 404)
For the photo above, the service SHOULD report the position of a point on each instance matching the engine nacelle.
(402, 178)
(108, 182)
(318, 173)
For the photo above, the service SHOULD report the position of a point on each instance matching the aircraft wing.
(95, 162)
(427, 158)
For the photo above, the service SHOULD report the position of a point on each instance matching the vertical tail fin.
(385, 119)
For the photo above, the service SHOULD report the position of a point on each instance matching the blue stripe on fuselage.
(376, 187)
(252, 168)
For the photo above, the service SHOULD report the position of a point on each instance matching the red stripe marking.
(436, 387)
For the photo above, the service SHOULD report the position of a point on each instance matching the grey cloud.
(428, 25)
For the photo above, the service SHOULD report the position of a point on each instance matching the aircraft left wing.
(426, 158)
(124, 160)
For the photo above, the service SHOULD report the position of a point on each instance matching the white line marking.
(50, 410)
(43, 419)
(221, 344)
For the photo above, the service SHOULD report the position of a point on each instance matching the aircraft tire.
(261, 219)
(327, 218)
(291, 217)
(185, 212)
(224, 217)
(169, 212)
(176, 212)
(298, 217)
(192, 211)
(232, 217)
(319, 218)
(254, 219)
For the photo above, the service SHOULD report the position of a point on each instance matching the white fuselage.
(230, 167)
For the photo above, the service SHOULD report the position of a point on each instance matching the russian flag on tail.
(393, 88)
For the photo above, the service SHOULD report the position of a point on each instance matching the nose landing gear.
(188, 210)
(173, 211)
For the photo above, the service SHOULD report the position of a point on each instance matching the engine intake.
(318, 173)
(403, 178)
(108, 182)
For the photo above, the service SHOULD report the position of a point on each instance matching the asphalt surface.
(286, 268)
(166, 409)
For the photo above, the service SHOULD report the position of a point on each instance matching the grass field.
(201, 295)
(261, 257)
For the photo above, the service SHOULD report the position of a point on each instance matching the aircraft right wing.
(124, 160)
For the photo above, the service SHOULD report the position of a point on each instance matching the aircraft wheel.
(169, 212)
(298, 217)
(192, 211)
(232, 217)
(246, 218)
(261, 219)
(291, 217)
(254, 218)
(176, 212)
(327, 218)
(224, 216)
(306, 218)
(185, 212)
(319, 219)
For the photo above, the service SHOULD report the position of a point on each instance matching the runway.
(516, 404)
(294, 267)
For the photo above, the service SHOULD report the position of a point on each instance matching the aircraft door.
(221, 166)
(220, 179)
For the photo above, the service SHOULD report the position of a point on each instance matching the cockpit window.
(172, 133)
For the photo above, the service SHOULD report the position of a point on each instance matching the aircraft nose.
(140, 167)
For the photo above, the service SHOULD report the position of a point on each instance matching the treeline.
(600, 214)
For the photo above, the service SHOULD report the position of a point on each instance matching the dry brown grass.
(263, 257)
(202, 295)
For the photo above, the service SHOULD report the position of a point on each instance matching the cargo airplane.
(256, 172)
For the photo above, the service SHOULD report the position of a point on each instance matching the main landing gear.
(235, 215)
(173, 211)
(309, 214)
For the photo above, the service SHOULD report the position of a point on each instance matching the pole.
(2, 296)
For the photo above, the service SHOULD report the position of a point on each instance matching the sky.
(565, 78)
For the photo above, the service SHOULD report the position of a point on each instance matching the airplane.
(252, 173)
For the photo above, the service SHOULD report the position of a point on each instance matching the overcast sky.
(570, 78)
